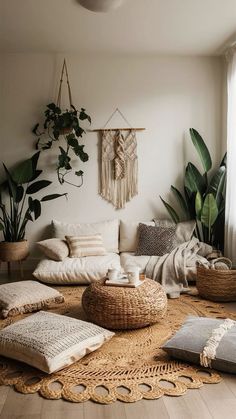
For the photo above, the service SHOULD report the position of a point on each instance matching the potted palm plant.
(204, 196)
(18, 207)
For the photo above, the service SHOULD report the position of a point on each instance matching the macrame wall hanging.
(119, 163)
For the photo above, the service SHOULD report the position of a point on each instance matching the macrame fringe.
(209, 352)
(119, 168)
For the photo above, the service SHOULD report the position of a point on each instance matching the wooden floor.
(216, 401)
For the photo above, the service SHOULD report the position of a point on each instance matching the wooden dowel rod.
(117, 129)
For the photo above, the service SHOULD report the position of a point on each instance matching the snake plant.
(203, 197)
(17, 207)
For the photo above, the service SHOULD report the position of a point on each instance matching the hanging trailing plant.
(204, 196)
(66, 124)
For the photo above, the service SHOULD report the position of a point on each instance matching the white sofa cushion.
(129, 234)
(129, 259)
(49, 341)
(109, 231)
(76, 270)
(27, 296)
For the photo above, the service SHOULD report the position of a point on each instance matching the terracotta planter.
(65, 131)
(13, 251)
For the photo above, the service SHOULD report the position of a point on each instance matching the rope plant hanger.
(66, 124)
(119, 163)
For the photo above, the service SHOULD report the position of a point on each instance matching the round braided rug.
(129, 367)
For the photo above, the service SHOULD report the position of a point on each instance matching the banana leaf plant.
(17, 206)
(67, 125)
(203, 197)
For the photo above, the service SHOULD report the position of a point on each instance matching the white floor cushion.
(76, 270)
(49, 341)
(109, 231)
(26, 296)
(128, 259)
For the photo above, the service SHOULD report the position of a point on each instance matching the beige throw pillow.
(89, 245)
(55, 249)
(49, 341)
(27, 296)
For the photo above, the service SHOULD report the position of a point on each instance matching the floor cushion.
(26, 296)
(49, 341)
(108, 229)
(210, 342)
(76, 270)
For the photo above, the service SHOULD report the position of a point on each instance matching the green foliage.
(17, 207)
(203, 198)
(65, 124)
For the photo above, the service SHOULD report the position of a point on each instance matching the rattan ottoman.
(124, 308)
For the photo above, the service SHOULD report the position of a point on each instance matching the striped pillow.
(89, 245)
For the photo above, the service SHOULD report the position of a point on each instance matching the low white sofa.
(120, 241)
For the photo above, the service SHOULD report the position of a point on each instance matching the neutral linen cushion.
(184, 230)
(108, 229)
(81, 246)
(49, 341)
(129, 234)
(76, 270)
(26, 296)
(188, 343)
(55, 249)
(154, 241)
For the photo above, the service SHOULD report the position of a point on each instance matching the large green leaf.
(23, 172)
(224, 160)
(209, 211)
(52, 196)
(37, 208)
(171, 211)
(217, 184)
(11, 184)
(1, 227)
(37, 186)
(198, 205)
(34, 160)
(19, 193)
(193, 180)
(202, 149)
(181, 200)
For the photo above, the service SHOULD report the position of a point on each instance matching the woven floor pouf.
(124, 308)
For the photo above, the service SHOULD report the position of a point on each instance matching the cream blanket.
(174, 269)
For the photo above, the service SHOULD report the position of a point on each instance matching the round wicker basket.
(13, 251)
(125, 308)
(216, 285)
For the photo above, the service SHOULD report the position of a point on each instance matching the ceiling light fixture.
(101, 5)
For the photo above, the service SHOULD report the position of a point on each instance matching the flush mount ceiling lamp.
(101, 5)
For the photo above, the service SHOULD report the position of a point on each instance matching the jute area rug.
(128, 368)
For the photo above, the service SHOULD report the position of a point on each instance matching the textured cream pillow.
(109, 231)
(49, 341)
(26, 296)
(55, 249)
(90, 245)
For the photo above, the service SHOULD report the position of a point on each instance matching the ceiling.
(183, 27)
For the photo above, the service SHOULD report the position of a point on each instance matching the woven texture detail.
(154, 241)
(216, 285)
(119, 167)
(125, 308)
(129, 359)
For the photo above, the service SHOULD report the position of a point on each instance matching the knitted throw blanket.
(119, 167)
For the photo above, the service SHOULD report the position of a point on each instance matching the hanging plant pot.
(66, 131)
(13, 251)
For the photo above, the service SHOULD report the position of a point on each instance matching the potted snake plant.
(18, 206)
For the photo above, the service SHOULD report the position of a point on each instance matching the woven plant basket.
(13, 251)
(216, 285)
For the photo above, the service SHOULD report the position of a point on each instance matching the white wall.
(167, 95)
